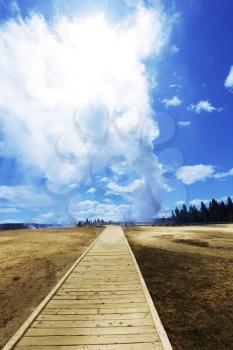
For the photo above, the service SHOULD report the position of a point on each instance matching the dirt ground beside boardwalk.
(32, 261)
(189, 272)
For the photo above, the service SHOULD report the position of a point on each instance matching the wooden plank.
(77, 296)
(78, 311)
(93, 323)
(103, 260)
(115, 280)
(71, 304)
(95, 284)
(105, 293)
(100, 274)
(90, 339)
(108, 285)
(108, 282)
(108, 268)
(52, 331)
(103, 264)
(132, 346)
(109, 299)
(110, 276)
(102, 288)
(95, 317)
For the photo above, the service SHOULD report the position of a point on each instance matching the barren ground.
(32, 261)
(189, 272)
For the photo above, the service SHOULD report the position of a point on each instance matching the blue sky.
(113, 109)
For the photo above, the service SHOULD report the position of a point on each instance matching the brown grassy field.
(32, 261)
(189, 272)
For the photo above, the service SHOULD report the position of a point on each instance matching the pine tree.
(214, 211)
(229, 209)
(204, 213)
(184, 214)
(178, 216)
(173, 218)
(222, 211)
(196, 215)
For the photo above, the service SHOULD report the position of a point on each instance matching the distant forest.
(214, 212)
(96, 222)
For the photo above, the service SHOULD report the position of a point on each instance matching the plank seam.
(155, 316)
(21, 331)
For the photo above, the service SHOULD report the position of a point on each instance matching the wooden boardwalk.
(102, 303)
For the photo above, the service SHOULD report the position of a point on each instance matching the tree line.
(95, 222)
(212, 213)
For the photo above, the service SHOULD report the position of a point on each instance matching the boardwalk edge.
(158, 324)
(20, 332)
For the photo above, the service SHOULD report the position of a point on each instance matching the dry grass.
(32, 261)
(189, 273)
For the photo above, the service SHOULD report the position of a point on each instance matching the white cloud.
(190, 174)
(103, 179)
(179, 203)
(229, 79)
(167, 188)
(119, 189)
(174, 49)
(48, 218)
(94, 209)
(71, 63)
(224, 175)
(184, 124)
(91, 190)
(197, 201)
(14, 7)
(24, 202)
(69, 90)
(23, 197)
(164, 212)
(203, 106)
(172, 102)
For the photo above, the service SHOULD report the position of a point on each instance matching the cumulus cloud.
(190, 174)
(172, 102)
(229, 79)
(96, 209)
(76, 94)
(29, 204)
(119, 189)
(203, 106)
(184, 124)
